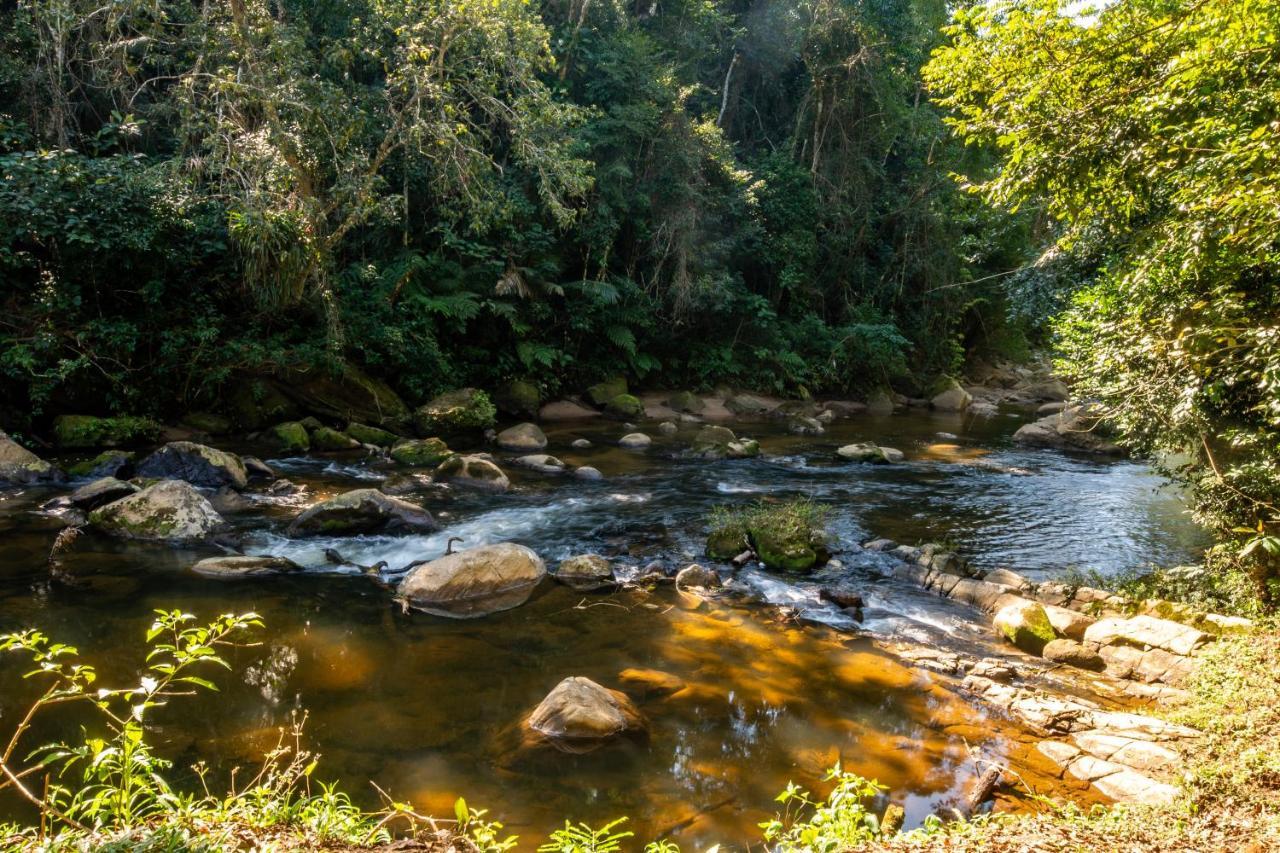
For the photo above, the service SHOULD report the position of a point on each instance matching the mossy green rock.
(518, 398)
(425, 452)
(464, 410)
(712, 442)
(366, 434)
(624, 407)
(686, 401)
(89, 431)
(782, 549)
(327, 439)
(290, 437)
(108, 463)
(602, 392)
(1025, 624)
(21, 467)
(726, 543)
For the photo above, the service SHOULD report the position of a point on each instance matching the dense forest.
(452, 193)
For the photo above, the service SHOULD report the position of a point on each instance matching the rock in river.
(474, 582)
(579, 715)
(1025, 624)
(240, 566)
(522, 438)
(22, 467)
(197, 464)
(866, 451)
(635, 441)
(585, 572)
(100, 493)
(169, 511)
(473, 472)
(542, 463)
(362, 511)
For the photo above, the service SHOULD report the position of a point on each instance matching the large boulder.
(78, 431)
(1047, 390)
(747, 405)
(101, 492)
(346, 395)
(473, 472)
(579, 715)
(1025, 624)
(1074, 428)
(522, 438)
(325, 438)
(474, 582)
(198, 464)
(948, 396)
(585, 573)
(240, 566)
(686, 401)
(421, 452)
(168, 511)
(464, 410)
(518, 398)
(362, 511)
(372, 435)
(21, 467)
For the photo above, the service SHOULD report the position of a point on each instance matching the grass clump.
(791, 536)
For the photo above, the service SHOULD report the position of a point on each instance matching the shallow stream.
(429, 708)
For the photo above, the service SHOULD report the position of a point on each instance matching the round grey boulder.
(473, 472)
(522, 438)
(240, 566)
(579, 715)
(635, 441)
(475, 582)
(585, 573)
(168, 511)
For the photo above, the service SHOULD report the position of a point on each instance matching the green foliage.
(791, 535)
(581, 838)
(1147, 133)
(840, 822)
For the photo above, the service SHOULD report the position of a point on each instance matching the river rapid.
(779, 685)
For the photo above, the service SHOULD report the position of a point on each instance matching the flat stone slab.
(1147, 631)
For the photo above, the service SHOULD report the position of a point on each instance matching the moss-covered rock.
(290, 437)
(712, 442)
(1025, 624)
(72, 431)
(169, 511)
(348, 394)
(425, 452)
(725, 543)
(108, 463)
(464, 410)
(686, 401)
(518, 398)
(789, 536)
(947, 395)
(21, 467)
(325, 438)
(362, 511)
(366, 434)
(602, 392)
(624, 407)
(780, 548)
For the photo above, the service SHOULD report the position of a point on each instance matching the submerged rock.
(522, 438)
(21, 467)
(171, 511)
(579, 715)
(239, 566)
(473, 472)
(464, 410)
(197, 464)
(650, 682)
(362, 511)
(474, 582)
(586, 572)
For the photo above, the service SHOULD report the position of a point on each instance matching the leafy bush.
(840, 822)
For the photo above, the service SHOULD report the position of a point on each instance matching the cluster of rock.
(1078, 427)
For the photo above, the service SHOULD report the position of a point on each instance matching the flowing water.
(430, 708)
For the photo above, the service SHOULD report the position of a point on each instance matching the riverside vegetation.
(367, 231)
